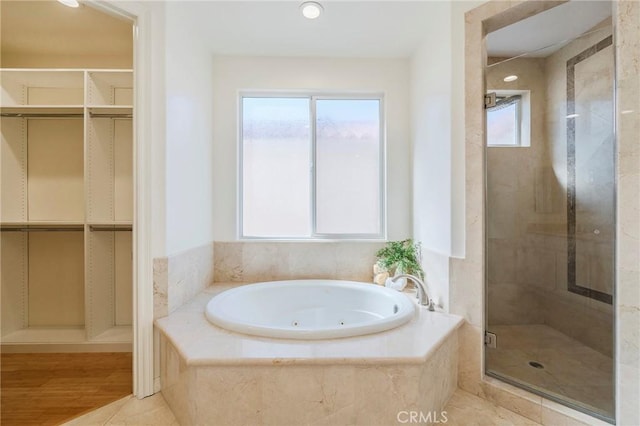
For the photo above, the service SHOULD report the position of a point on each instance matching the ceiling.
(345, 29)
(263, 28)
(47, 27)
(547, 32)
(276, 28)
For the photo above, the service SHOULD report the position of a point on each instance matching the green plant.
(401, 256)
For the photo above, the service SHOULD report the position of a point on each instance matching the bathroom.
(193, 58)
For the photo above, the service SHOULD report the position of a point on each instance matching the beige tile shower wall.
(179, 277)
(580, 319)
(267, 261)
(514, 196)
(586, 320)
(628, 207)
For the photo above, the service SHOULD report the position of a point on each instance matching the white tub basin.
(310, 309)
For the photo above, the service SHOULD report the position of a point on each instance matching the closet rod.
(96, 115)
(94, 228)
(76, 228)
(53, 115)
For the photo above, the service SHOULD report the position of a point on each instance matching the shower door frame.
(508, 17)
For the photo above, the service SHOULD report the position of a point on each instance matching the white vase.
(397, 284)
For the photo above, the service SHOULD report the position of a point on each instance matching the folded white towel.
(397, 285)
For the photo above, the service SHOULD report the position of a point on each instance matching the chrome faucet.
(422, 295)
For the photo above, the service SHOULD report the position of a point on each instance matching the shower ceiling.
(564, 22)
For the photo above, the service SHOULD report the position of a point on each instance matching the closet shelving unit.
(66, 210)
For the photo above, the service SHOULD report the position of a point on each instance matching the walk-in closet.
(66, 173)
(66, 206)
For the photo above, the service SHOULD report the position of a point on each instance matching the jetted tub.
(310, 309)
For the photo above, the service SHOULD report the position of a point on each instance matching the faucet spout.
(422, 295)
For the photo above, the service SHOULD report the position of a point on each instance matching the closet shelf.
(50, 223)
(41, 228)
(70, 335)
(68, 141)
(117, 334)
(124, 111)
(46, 335)
(42, 222)
(42, 110)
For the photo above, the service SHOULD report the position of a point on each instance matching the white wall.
(232, 74)
(189, 126)
(431, 85)
(180, 153)
(431, 134)
(437, 130)
(157, 114)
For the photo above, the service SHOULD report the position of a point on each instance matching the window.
(311, 167)
(508, 122)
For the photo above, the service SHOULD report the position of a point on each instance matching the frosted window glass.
(502, 126)
(348, 166)
(276, 189)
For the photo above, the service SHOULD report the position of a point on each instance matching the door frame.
(140, 15)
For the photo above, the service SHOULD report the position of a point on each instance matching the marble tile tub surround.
(253, 261)
(210, 373)
(178, 278)
(467, 275)
(202, 343)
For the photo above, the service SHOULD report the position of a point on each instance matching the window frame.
(523, 113)
(313, 97)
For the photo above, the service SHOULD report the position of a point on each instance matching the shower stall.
(550, 205)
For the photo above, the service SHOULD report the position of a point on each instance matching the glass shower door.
(550, 196)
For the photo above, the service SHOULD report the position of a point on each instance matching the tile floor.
(571, 369)
(463, 409)
(152, 411)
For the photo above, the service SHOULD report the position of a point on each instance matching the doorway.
(550, 196)
(67, 204)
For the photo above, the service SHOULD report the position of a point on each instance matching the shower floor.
(570, 370)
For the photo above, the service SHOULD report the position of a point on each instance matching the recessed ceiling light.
(627, 111)
(311, 9)
(70, 3)
(510, 78)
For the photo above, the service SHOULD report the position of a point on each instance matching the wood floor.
(48, 389)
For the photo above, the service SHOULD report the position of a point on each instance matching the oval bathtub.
(310, 309)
